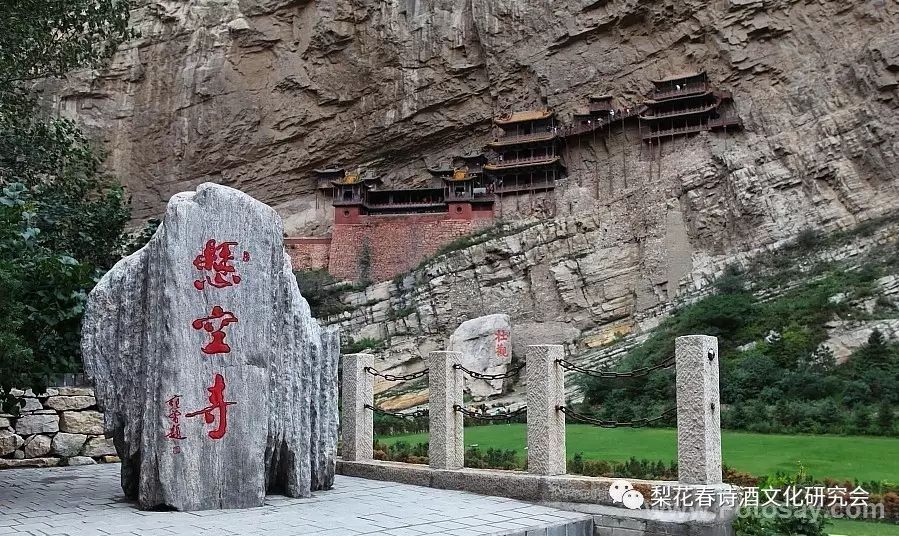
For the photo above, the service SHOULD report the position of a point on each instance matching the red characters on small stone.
(502, 337)
(174, 416)
(216, 402)
(216, 258)
(218, 315)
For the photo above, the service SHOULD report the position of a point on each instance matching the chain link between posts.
(395, 378)
(484, 417)
(636, 423)
(412, 415)
(636, 373)
(481, 376)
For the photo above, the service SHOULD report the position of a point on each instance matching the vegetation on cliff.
(776, 374)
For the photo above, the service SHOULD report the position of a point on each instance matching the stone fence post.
(445, 448)
(546, 424)
(357, 390)
(698, 410)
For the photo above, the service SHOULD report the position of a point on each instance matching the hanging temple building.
(379, 232)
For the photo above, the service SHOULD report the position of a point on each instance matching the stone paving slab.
(87, 501)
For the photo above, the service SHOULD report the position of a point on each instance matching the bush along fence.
(697, 408)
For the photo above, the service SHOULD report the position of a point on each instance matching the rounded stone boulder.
(486, 346)
(9, 442)
(37, 424)
(70, 403)
(82, 422)
(67, 445)
(97, 447)
(27, 405)
(37, 446)
(80, 460)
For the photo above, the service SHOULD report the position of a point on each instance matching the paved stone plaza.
(88, 500)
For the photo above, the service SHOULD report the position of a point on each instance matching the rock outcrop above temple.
(217, 384)
(258, 94)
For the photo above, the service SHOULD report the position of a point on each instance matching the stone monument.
(486, 346)
(217, 383)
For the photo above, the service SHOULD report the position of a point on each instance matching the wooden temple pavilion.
(685, 104)
(325, 178)
(525, 157)
(459, 192)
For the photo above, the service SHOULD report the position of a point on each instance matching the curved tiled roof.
(519, 117)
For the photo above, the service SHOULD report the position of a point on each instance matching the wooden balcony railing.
(711, 124)
(649, 114)
(599, 124)
(522, 162)
(687, 89)
(523, 138)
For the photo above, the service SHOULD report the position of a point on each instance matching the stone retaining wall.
(60, 427)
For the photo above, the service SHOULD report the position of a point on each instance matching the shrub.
(321, 291)
(355, 346)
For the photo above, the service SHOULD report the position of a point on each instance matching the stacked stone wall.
(62, 426)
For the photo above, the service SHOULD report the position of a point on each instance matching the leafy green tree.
(61, 217)
(885, 418)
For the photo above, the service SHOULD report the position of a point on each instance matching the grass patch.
(824, 456)
(851, 527)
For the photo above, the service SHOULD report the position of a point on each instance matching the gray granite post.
(445, 450)
(357, 420)
(546, 424)
(698, 410)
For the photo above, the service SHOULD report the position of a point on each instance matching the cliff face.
(255, 94)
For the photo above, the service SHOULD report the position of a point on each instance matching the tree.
(43, 38)
(885, 419)
(875, 352)
(61, 217)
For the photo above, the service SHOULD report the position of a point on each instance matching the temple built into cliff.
(380, 231)
(686, 104)
(525, 156)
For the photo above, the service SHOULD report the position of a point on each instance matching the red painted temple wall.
(308, 253)
(392, 244)
(378, 247)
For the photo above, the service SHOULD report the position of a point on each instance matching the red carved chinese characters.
(502, 339)
(216, 402)
(221, 317)
(216, 258)
(218, 271)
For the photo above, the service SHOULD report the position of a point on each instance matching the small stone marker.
(486, 346)
(217, 383)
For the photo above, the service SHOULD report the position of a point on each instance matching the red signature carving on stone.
(216, 402)
(502, 336)
(217, 345)
(174, 415)
(216, 258)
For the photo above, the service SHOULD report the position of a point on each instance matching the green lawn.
(840, 457)
(848, 527)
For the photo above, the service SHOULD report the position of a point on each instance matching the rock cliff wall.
(255, 94)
